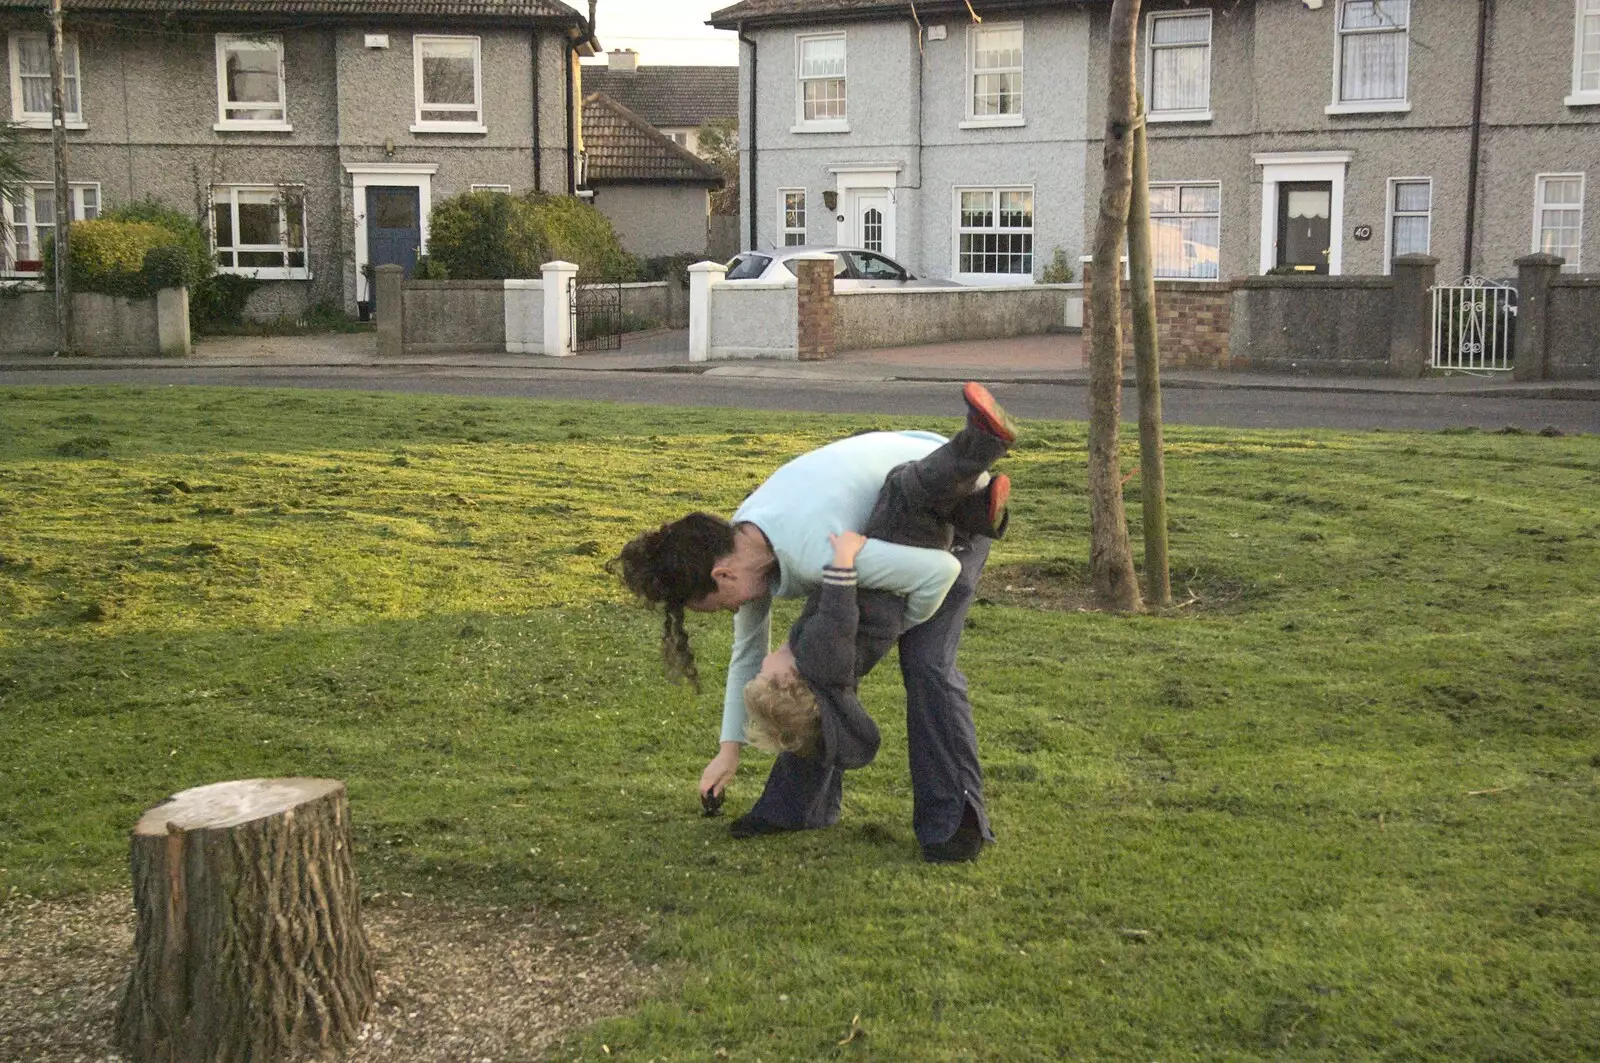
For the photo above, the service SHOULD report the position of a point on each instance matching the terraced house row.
(314, 135)
(1319, 136)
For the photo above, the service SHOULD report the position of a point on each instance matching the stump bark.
(249, 946)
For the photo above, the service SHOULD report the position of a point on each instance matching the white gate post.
(558, 279)
(702, 276)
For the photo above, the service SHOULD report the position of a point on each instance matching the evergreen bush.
(495, 236)
(108, 256)
(168, 266)
(190, 235)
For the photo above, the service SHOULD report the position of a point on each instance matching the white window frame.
(1390, 213)
(265, 273)
(974, 120)
(1180, 186)
(1193, 114)
(802, 124)
(1342, 106)
(492, 188)
(474, 125)
(784, 229)
(991, 279)
(80, 212)
(42, 119)
(1582, 97)
(224, 123)
(1574, 264)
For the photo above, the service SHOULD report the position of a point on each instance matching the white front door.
(869, 220)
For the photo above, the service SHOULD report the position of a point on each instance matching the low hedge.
(496, 236)
(109, 256)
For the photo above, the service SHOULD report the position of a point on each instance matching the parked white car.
(853, 268)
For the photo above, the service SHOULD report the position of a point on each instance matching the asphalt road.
(1233, 406)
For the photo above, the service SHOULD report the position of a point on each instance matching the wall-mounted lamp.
(388, 147)
(830, 199)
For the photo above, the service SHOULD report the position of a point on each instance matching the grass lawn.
(1345, 805)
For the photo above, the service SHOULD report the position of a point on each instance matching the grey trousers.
(802, 793)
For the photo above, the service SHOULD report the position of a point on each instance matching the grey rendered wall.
(149, 100)
(1272, 77)
(886, 72)
(656, 219)
(1573, 350)
(754, 320)
(868, 319)
(103, 325)
(453, 316)
(1338, 325)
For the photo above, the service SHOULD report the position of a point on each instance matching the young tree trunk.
(249, 945)
(1147, 369)
(1110, 556)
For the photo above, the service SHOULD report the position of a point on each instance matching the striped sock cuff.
(838, 577)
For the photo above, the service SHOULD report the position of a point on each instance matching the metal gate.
(596, 317)
(1474, 325)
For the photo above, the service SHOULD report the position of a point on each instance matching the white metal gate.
(1474, 325)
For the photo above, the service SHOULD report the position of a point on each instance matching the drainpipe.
(1477, 133)
(754, 184)
(538, 143)
(572, 135)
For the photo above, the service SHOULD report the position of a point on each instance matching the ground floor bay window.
(33, 224)
(1186, 230)
(260, 231)
(994, 235)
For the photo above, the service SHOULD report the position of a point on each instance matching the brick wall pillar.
(815, 338)
(1534, 274)
(1411, 315)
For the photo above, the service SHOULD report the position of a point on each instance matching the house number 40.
(1363, 232)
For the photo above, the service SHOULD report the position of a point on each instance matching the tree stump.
(249, 945)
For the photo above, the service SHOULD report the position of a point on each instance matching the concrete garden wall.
(1573, 336)
(1311, 324)
(464, 317)
(868, 318)
(754, 319)
(105, 326)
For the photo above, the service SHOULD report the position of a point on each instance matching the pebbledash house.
(1318, 136)
(312, 135)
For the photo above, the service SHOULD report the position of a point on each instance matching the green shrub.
(579, 233)
(495, 236)
(486, 236)
(668, 267)
(429, 268)
(108, 256)
(168, 266)
(188, 231)
(219, 302)
(1059, 271)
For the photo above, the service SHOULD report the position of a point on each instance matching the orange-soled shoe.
(986, 413)
(999, 495)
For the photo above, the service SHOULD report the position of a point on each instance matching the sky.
(665, 32)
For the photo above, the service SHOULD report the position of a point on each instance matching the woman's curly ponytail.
(671, 566)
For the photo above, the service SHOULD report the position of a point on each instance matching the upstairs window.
(30, 80)
(1374, 53)
(1185, 230)
(1558, 217)
(449, 75)
(260, 231)
(250, 87)
(33, 224)
(1586, 56)
(822, 79)
(792, 216)
(996, 63)
(1179, 66)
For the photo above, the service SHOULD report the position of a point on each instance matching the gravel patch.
(455, 982)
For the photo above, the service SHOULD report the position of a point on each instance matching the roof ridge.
(654, 137)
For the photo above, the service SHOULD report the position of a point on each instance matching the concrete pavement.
(1052, 359)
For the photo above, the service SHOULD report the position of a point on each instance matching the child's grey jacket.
(840, 635)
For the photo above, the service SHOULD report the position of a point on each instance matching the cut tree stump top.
(228, 804)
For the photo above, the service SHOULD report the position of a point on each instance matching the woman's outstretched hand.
(720, 772)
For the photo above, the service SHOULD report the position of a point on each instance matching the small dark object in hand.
(711, 803)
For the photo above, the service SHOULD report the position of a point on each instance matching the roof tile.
(670, 96)
(621, 147)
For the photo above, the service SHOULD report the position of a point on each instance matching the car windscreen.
(748, 267)
(793, 266)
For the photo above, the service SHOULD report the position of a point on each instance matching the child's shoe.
(987, 414)
(999, 495)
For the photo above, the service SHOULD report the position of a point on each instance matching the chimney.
(622, 60)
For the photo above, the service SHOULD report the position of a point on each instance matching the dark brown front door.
(1305, 225)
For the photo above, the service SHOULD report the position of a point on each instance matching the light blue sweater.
(830, 490)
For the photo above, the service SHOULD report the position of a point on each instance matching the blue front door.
(394, 229)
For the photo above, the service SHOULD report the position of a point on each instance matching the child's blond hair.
(781, 715)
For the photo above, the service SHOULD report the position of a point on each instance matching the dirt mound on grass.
(454, 982)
